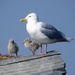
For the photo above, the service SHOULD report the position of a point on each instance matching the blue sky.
(59, 13)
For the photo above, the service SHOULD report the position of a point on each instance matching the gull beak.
(23, 19)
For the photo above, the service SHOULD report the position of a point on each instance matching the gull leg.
(33, 52)
(16, 55)
(41, 48)
(46, 48)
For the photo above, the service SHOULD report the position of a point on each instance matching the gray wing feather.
(16, 47)
(51, 32)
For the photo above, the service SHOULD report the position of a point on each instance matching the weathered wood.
(47, 64)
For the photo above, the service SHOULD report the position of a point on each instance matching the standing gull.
(43, 33)
(12, 47)
(31, 45)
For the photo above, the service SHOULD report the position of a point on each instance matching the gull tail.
(69, 39)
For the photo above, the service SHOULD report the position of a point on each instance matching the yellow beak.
(23, 19)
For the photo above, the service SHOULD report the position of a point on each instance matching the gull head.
(11, 41)
(30, 17)
(27, 40)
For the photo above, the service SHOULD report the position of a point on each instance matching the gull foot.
(43, 53)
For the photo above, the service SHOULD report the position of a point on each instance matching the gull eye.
(29, 16)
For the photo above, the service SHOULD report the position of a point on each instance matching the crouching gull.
(12, 47)
(43, 33)
(31, 45)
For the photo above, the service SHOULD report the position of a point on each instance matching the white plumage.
(43, 33)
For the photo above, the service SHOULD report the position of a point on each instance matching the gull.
(12, 47)
(42, 32)
(31, 45)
